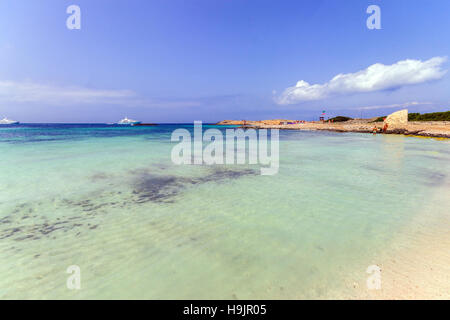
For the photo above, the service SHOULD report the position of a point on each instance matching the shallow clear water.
(109, 200)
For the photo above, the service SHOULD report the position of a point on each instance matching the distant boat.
(128, 122)
(7, 121)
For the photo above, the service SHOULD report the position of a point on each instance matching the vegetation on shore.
(340, 119)
(379, 119)
(434, 116)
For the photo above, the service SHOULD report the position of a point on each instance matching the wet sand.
(417, 264)
(420, 269)
(419, 273)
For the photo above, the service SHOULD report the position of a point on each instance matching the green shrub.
(379, 119)
(340, 119)
(413, 116)
(434, 116)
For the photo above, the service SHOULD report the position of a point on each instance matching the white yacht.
(7, 121)
(128, 122)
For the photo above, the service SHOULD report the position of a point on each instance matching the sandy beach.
(420, 268)
(437, 129)
(422, 272)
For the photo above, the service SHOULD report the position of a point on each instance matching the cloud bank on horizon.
(376, 77)
(30, 92)
(12, 92)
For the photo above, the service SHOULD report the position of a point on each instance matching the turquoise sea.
(109, 200)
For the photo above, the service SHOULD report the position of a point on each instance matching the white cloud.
(398, 105)
(374, 78)
(30, 92)
(12, 92)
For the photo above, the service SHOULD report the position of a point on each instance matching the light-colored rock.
(397, 118)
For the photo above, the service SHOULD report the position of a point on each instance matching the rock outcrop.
(398, 118)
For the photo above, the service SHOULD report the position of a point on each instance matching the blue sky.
(179, 61)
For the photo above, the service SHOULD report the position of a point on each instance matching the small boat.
(7, 121)
(128, 122)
